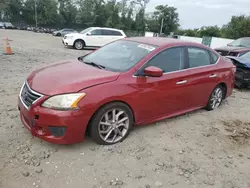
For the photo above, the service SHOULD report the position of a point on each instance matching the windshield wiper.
(95, 65)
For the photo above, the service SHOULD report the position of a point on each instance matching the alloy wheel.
(216, 98)
(78, 45)
(113, 126)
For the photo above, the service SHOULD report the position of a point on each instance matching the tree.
(210, 31)
(238, 27)
(12, 9)
(85, 15)
(67, 12)
(169, 16)
(140, 16)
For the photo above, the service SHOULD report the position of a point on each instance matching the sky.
(198, 13)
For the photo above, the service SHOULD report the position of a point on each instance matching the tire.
(105, 130)
(58, 34)
(217, 95)
(79, 44)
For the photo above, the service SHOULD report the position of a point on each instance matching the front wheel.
(79, 45)
(111, 124)
(215, 98)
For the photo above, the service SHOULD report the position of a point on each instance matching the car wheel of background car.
(79, 44)
(216, 98)
(111, 124)
(58, 34)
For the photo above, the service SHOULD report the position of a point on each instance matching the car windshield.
(246, 55)
(242, 42)
(119, 56)
(85, 30)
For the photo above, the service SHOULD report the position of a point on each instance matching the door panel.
(95, 39)
(163, 96)
(202, 82)
(203, 76)
(169, 94)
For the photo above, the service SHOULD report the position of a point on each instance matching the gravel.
(199, 149)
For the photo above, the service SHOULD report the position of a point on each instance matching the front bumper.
(58, 127)
(67, 42)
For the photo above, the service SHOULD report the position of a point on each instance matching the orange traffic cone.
(7, 48)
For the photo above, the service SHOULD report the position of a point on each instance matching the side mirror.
(88, 34)
(153, 71)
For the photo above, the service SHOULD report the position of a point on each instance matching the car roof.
(162, 41)
(113, 29)
(244, 38)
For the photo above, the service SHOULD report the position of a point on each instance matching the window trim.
(186, 59)
(137, 73)
(209, 52)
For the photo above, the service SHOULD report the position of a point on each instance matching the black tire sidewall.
(209, 107)
(93, 129)
(83, 44)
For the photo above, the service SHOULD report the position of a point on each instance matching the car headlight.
(69, 37)
(64, 101)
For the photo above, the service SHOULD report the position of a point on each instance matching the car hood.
(241, 60)
(233, 49)
(68, 76)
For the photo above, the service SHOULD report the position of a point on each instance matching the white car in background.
(93, 37)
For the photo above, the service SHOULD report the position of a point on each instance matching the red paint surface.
(150, 98)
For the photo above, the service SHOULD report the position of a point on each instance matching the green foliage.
(123, 14)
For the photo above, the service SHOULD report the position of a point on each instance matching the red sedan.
(133, 81)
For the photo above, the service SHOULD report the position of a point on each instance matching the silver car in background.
(63, 32)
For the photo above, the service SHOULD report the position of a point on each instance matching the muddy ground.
(196, 150)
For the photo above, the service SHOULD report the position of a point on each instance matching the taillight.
(234, 69)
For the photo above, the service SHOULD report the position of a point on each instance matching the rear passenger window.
(198, 57)
(111, 32)
(106, 32)
(116, 33)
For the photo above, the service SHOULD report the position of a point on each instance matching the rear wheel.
(79, 44)
(111, 124)
(216, 98)
(58, 34)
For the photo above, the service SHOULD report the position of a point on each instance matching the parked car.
(236, 48)
(92, 37)
(9, 25)
(242, 75)
(2, 25)
(63, 32)
(132, 81)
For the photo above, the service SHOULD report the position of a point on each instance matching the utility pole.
(162, 20)
(35, 14)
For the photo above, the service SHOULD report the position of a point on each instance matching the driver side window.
(169, 60)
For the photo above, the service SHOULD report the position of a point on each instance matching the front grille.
(28, 96)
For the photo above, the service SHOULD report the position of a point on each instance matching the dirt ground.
(197, 150)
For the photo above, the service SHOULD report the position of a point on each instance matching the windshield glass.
(247, 55)
(242, 42)
(119, 56)
(85, 30)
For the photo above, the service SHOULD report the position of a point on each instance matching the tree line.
(129, 15)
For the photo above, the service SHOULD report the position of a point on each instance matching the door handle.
(213, 76)
(181, 82)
